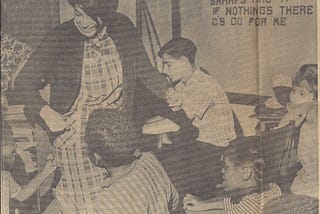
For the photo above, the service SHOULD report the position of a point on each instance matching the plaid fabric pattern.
(101, 87)
(204, 101)
(146, 188)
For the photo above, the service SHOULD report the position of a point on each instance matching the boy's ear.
(247, 172)
(94, 157)
(184, 59)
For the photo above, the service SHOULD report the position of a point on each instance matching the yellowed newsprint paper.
(159, 106)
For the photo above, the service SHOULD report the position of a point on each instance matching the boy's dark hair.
(112, 136)
(96, 8)
(308, 72)
(179, 47)
(246, 150)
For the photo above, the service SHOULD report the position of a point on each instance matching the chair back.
(237, 126)
(279, 151)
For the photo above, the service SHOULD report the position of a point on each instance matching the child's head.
(282, 86)
(305, 84)
(243, 164)
(178, 56)
(112, 137)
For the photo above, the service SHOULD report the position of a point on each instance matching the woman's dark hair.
(246, 150)
(111, 135)
(96, 8)
(308, 72)
(179, 47)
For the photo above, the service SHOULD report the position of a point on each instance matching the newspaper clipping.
(159, 106)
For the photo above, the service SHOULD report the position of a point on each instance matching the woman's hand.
(53, 119)
(50, 165)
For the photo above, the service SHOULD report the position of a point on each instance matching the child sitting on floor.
(242, 181)
(137, 182)
(9, 187)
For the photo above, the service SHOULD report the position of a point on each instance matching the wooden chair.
(279, 151)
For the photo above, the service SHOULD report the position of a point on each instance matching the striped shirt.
(253, 203)
(145, 189)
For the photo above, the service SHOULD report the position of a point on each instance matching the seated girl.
(303, 96)
(9, 187)
(303, 109)
(243, 169)
(137, 182)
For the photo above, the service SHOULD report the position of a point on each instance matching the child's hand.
(51, 164)
(174, 99)
(192, 203)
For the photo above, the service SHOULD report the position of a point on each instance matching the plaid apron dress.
(101, 87)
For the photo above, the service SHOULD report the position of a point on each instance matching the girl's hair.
(96, 8)
(111, 135)
(245, 151)
(178, 47)
(308, 72)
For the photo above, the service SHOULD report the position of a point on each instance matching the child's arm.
(27, 190)
(160, 125)
(193, 203)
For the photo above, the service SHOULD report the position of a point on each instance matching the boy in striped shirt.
(243, 181)
(136, 181)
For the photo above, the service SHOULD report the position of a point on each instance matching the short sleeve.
(202, 106)
(196, 102)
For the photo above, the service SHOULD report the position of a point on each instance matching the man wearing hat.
(95, 60)
(274, 108)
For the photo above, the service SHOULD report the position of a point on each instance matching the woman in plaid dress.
(93, 61)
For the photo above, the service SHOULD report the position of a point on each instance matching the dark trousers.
(193, 167)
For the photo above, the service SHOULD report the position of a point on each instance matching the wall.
(231, 52)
